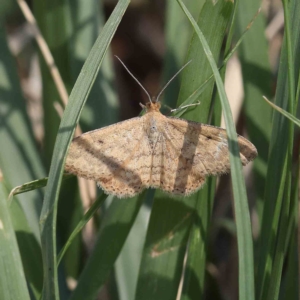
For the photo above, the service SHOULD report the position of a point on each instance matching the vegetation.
(61, 241)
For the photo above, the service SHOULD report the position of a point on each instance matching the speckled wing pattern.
(117, 157)
(171, 154)
(191, 151)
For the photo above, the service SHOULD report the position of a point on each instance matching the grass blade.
(164, 248)
(171, 219)
(284, 112)
(198, 92)
(128, 263)
(32, 185)
(257, 80)
(176, 25)
(12, 280)
(77, 99)
(244, 236)
(215, 16)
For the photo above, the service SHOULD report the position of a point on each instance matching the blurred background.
(143, 42)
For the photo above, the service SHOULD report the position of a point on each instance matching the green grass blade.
(12, 280)
(290, 289)
(290, 56)
(171, 219)
(165, 247)
(114, 230)
(128, 263)
(284, 112)
(32, 185)
(257, 80)
(77, 99)
(217, 17)
(198, 92)
(286, 226)
(244, 236)
(176, 25)
(28, 186)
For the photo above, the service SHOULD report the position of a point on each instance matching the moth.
(153, 151)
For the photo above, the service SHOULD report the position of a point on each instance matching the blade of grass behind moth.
(257, 79)
(12, 280)
(77, 99)
(168, 231)
(216, 111)
(217, 17)
(279, 160)
(197, 93)
(176, 25)
(114, 230)
(244, 236)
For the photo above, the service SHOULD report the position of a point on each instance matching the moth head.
(152, 106)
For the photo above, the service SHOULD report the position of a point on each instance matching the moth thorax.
(153, 131)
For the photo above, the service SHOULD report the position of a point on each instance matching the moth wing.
(194, 151)
(117, 157)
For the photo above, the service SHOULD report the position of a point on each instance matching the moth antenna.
(171, 80)
(134, 78)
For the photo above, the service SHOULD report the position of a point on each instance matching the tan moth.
(155, 151)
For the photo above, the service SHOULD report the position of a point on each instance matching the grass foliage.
(151, 246)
